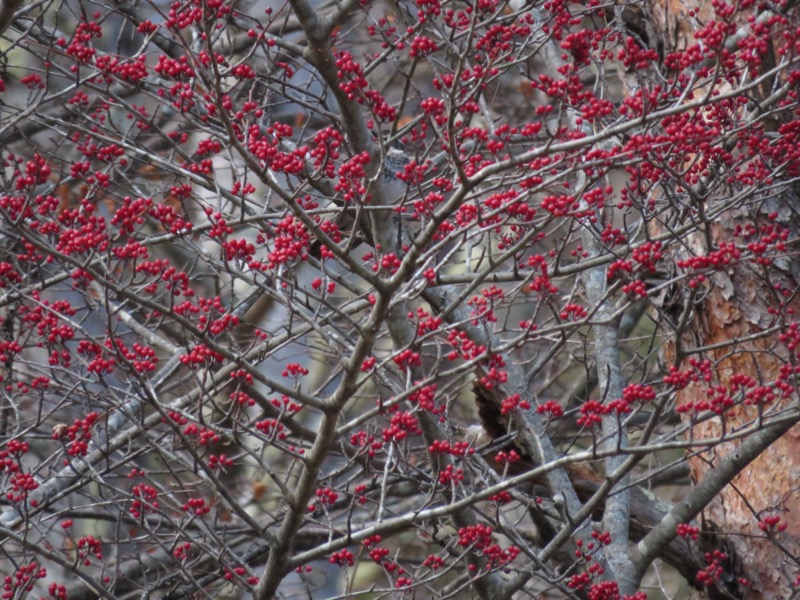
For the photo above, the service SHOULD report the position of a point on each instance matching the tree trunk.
(746, 302)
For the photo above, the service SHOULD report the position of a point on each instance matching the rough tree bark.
(746, 303)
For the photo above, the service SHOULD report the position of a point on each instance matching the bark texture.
(735, 305)
(739, 303)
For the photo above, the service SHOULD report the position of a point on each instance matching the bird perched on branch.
(394, 164)
(395, 191)
(394, 160)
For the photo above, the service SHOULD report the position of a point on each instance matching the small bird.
(395, 190)
(394, 159)
(394, 164)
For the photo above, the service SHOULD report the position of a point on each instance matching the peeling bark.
(737, 304)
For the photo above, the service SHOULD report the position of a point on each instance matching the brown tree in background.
(431, 299)
(730, 323)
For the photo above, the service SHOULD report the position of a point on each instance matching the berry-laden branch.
(426, 298)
